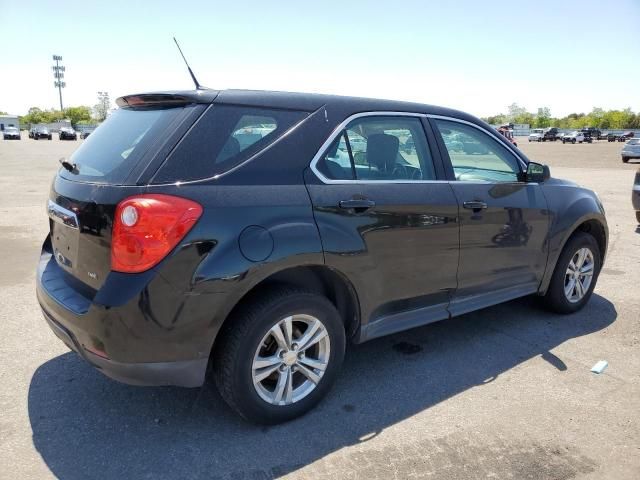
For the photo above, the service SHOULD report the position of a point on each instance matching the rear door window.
(385, 148)
(223, 138)
(110, 153)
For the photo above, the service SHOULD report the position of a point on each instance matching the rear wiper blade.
(72, 167)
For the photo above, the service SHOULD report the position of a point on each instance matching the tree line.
(598, 117)
(77, 115)
(81, 115)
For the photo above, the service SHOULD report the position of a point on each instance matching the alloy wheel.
(579, 275)
(291, 359)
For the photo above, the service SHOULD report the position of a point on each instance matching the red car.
(507, 132)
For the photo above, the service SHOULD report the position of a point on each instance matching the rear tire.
(247, 338)
(557, 299)
(638, 215)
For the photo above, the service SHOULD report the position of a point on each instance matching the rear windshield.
(224, 137)
(111, 152)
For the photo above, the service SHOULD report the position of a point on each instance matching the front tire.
(625, 159)
(575, 275)
(279, 355)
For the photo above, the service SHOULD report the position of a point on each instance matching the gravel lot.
(501, 393)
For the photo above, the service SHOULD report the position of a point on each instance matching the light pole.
(58, 75)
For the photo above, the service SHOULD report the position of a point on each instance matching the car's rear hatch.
(112, 164)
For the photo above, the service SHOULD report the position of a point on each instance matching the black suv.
(591, 133)
(249, 235)
(41, 132)
(551, 135)
(67, 133)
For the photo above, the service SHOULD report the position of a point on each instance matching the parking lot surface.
(503, 393)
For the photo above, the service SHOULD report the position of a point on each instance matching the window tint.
(379, 148)
(111, 152)
(475, 156)
(224, 137)
(336, 162)
(249, 130)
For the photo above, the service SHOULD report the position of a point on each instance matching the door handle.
(358, 204)
(476, 206)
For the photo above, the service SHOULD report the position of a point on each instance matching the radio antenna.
(193, 77)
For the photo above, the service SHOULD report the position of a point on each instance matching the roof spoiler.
(153, 99)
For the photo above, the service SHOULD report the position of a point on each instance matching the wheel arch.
(593, 224)
(320, 279)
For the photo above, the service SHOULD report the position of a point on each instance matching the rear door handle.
(475, 205)
(357, 204)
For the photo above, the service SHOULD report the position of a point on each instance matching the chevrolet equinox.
(247, 236)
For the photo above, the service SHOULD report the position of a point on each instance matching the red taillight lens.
(147, 227)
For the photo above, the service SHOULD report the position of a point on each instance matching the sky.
(476, 56)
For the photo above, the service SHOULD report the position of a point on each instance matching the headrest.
(382, 151)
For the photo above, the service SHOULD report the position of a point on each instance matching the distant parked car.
(619, 137)
(602, 135)
(591, 132)
(550, 135)
(41, 132)
(31, 130)
(67, 133)
(11, 133)
(536, 135)
(631, 150)
(625, 136)
(635, 195)
(573, 137)
(506, 131)
(85, 134)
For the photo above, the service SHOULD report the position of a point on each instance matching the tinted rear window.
(111, 152)
(224, 137)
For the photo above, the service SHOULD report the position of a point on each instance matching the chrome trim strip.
(62, 215)
(491, 132)
(338, 130)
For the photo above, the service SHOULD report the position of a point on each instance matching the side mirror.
(537, 173)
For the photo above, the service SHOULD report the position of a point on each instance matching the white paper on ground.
(599, 367)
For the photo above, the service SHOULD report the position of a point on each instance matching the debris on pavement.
(599, 367)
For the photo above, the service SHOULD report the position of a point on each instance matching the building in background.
(8, 121)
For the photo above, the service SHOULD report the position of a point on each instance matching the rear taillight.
(147, 227)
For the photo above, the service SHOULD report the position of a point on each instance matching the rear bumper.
(187, 373)
(101, 337)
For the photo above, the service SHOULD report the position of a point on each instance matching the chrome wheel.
(579, 275)
(291, 359)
